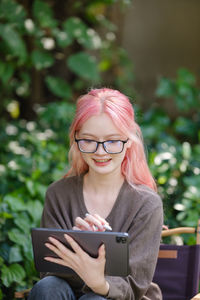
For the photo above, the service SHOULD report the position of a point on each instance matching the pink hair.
(118, 107)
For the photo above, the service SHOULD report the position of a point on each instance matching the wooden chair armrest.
(197, 297)
(179, 230)
(22, 294)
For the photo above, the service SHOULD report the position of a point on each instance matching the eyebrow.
(105, 136)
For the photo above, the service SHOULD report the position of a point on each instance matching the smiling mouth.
(102, 160)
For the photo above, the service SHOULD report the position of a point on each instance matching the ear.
(129, 143)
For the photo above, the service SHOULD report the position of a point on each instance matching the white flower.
(29, 25)
(48, 43)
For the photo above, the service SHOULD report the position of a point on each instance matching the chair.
(178, 267)
(177, 271)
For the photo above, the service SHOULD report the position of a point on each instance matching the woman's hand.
(91, 223)
(91, 270)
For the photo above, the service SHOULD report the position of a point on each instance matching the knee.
(48, 288)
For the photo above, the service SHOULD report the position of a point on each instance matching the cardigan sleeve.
(49, 216)
(145, 234)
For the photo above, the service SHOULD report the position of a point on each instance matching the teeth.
(101, 160)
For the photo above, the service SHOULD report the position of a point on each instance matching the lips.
(102, 160)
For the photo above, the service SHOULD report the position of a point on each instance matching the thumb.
(102, 251)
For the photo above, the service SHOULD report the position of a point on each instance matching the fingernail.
(67, 236)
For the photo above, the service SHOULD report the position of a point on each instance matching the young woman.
(109, 183)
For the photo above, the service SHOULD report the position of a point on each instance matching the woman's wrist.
(102, 289)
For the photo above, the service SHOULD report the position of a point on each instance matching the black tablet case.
(116, 245)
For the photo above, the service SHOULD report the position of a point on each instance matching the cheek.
(85, 156)
(120, 158)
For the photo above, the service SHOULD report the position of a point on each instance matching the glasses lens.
(87, 146)
(113, 146)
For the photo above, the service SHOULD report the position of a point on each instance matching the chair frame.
(181, 230)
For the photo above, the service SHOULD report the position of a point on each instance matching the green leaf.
(35, 210)
(5, 215)
(14, 42)
(18, 237)
(59, 87)
(185, 76)
(84, 65)
(166, 88)
(185, 126)
(75, 27)
(1, 261)
(6, 71)
(15, 202)
(41, 60)
(62, 37)
(85, 36)
(13, 273)
(44, 14)
(15, 254)
(31, 187)
(12, 11)
(23, 222)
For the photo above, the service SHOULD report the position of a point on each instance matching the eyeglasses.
(91, 146)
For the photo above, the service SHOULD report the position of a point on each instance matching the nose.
(100, 149)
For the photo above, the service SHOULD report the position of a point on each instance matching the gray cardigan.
(137, 210)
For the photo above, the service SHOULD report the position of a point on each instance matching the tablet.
(116, 245)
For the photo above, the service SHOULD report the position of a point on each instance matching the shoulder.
(143, 199)
(64, 184)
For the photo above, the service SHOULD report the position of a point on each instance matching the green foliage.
(84, 65)
(174, 150)
(37, 42)
(32, 156)
(183, 90)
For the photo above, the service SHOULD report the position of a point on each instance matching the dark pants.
(54, 288)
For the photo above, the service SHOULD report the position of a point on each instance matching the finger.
(102, 252)
(75, 246)
(54, 249)
(102, 220)
(57, 261)
(80, 228)
(58, 248)
(105, 224)
(84, 225)
(76, 228)
(94, 221)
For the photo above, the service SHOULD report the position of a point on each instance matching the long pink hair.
(118, 107)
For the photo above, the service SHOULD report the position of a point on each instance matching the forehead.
(100, 125)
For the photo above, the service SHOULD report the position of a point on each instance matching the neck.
(100, 183)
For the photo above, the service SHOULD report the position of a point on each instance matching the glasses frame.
(98, 143)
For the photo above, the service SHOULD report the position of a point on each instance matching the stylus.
(107, 227)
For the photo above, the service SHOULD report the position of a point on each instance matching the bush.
(54, 50)
(174, 150)
(32, 156)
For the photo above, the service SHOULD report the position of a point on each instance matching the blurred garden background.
(53, 51)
